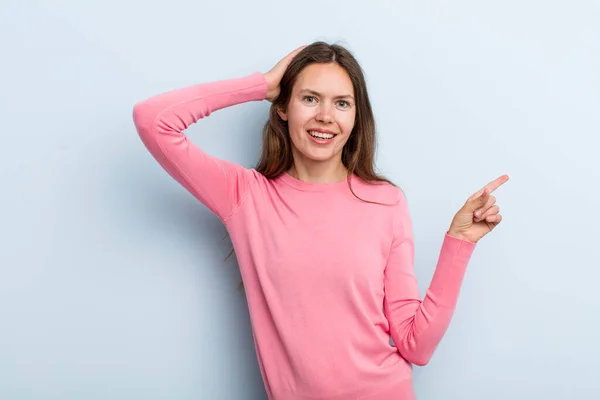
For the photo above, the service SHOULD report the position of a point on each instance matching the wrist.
(459, 236)
(270, 92)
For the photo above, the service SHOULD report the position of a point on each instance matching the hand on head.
(274, 76)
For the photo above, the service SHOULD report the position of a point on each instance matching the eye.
(343, 104)
(309, 99)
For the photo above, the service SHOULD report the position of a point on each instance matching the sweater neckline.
(313, 187)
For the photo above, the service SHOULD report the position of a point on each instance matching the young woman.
(324, 244)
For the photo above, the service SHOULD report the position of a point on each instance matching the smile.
(321, 135)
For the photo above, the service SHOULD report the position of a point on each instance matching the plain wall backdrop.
(113, 283)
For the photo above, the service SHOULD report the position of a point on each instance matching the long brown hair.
(358, 154)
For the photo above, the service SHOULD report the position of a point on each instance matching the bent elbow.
(144, 120)
(419, 360)
(416, 356)
(140, 115)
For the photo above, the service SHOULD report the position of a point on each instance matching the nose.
(324, 114)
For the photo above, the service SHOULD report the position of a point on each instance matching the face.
(321, 113)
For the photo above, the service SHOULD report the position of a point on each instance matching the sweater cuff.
(258, 81)
(455, 255)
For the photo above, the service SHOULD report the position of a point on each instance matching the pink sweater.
(328, 278)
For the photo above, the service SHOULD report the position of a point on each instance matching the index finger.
(282, 65)
(493, 185)
(496, 183)
(293, 54)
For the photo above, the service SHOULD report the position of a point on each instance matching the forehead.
(328, 79)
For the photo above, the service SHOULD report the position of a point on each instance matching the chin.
(316, 152)
(318, 156)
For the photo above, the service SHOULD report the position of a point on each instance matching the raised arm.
(161, 120)
(417, 326)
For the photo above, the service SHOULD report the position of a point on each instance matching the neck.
(331, 171)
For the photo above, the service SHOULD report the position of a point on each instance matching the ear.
(282, 114)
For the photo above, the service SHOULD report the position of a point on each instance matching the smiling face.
(320, 114)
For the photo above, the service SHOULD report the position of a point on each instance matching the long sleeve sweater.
(329, 279)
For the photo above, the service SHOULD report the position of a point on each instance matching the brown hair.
(358, 154)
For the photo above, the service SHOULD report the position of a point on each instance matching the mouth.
(321, 137)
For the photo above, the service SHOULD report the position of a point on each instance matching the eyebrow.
(345, 96)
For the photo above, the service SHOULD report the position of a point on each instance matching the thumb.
(477, 200)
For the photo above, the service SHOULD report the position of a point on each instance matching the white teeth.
(321, 135)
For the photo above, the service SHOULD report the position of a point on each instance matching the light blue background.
(112, 279)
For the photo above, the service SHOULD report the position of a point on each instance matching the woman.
(324, 244)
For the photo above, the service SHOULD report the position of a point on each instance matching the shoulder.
(379, 191)
(394, 212)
